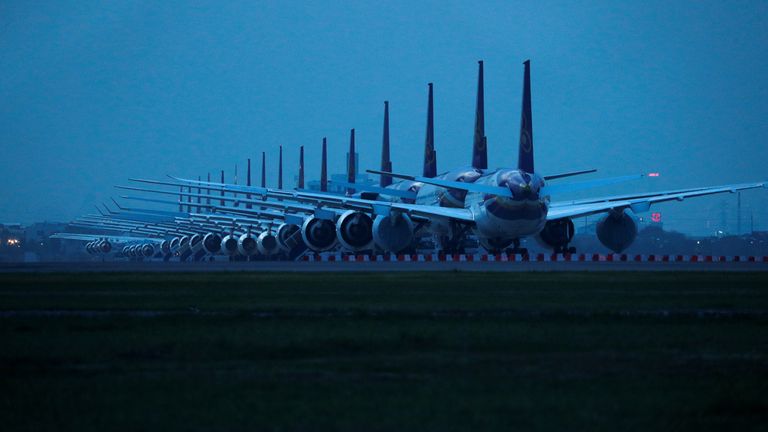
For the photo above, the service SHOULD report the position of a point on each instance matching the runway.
(383, 266)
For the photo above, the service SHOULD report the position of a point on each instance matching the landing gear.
(516, 249)
(565, 249)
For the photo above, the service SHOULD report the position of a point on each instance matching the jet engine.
(126, 250)
(266, 242)
(132, 250)
(246, 245)
(183, 244)
(147, 250)
(229, 244)
(175, 244)
(196, 243)
(212, 243)
(318, 234)
(354, 230)
(394, 232)
(89, 248)
(104, 246)
(165, 247)
(617, 230)
(285, 236)
(556, 234)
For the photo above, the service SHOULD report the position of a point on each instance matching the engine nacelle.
(212, 243)
(89, 248)
(318, 234)
(266, 242)
(132, 250)
(126, 250)
(104, 246)
(229, 245)
(196, 243)
(285, 236)
(183, 244)
(617, 230)
(165, 247)
(394, 232)
(354, 230)
(147, 250)
(175, 244)
(557, 233)
(246, 245)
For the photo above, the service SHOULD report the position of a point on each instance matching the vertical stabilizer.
(301, 167)
(208, 193)
(324, 168)
(280, 169)
(189, 199)
(386, 163)
(199, 198)
(351, 162)
(222, 191)
(525, 154)
(263, 169)
(479, 145)
(430, 157)
(248, 182)
(181, 199)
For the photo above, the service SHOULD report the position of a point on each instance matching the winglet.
(301, 167)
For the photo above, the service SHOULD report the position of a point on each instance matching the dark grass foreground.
(434, 351)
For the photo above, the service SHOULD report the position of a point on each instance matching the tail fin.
(301, 167)
(351, 162)
(199, 197)
(280, 170)
(430, 157)
(208, 194)
(248, 182)
(181, 199)
(324, 168)
(525, 154)
(386, 163)
(480, 143)
(222, 190)
(263, 169)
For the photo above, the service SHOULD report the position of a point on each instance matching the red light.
(656, 217)
(653, 174)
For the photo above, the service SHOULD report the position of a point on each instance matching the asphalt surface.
(292, 266)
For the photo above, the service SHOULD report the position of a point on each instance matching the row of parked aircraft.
(497, 207)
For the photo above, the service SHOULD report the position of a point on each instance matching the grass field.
(435, 351)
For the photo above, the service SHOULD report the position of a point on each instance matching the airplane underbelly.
(513, 220)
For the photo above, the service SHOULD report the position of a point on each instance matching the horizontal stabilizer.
(569, 174)
(379, 190)
(469, 187)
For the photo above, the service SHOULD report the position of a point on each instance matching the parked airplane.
(500, 206)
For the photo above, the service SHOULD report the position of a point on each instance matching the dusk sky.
(96, 92)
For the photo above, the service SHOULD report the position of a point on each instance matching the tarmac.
(383, 266)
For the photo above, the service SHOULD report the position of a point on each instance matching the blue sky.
(96, 92)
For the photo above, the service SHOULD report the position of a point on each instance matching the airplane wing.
(638, 203)
(91, 237)
(312, 201)
(549, 189)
